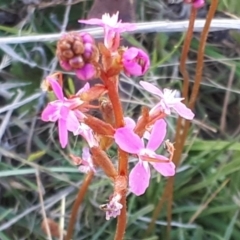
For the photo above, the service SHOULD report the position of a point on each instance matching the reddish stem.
(184, 54)
(81, 193)
(112, 86)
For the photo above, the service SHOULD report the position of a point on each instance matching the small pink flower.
(113, 208)
(112, 29)
(130, 142)
(87, 162)
(135, 61)
(61, 110)
(168, 101)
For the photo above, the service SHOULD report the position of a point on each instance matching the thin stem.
(200, 57)
(122, 220)
(112, 86)
(184, 55)
(81, 193)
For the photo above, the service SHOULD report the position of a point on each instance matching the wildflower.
(168, 101)
(61, 110)
(112, 29)
(87, 162)
(113, 208)
(78, 52)
(130, 142)
(135, 61)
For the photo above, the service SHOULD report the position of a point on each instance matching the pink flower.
(113, 208)
(61, 110)
(87, 162)
(130, 142)
(196, 3)
(112, 29)
(168, 101)
(87, 133)
(135, 61)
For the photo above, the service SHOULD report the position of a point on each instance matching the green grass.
(207, 185)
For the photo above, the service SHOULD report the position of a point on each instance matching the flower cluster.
(78, 52)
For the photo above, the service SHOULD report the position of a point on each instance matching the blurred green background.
(207, 186)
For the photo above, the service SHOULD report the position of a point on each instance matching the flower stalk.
(78, 52)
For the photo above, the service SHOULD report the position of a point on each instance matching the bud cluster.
(78, 52)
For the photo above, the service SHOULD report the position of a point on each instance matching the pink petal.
(126, 27)
(72, 122)
(62, 132)
(86, 73)
(85, 88)
(135, 61)
(139, 178)
(157, 108)
(129, 122)
(49, 113)
(85, 153)
(157, 135)
(84, 168)
(166, 169)
(65, 65)
(93, 21)
(151, 88)
(198, 3)
(79, 115)
(133, 68)
(131, 53)
(128, 141)
(183, 111)
(64, 112)
(57, 89)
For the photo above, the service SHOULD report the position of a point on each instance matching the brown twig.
(81, 193)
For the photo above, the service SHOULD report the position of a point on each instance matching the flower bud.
(78, 52)
(135, 61)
